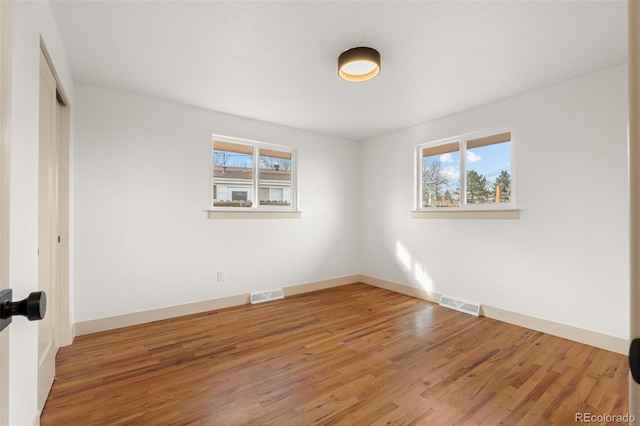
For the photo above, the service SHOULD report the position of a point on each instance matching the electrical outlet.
(220, 277)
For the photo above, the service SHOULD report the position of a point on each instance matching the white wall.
(142, 176)
(142, 180)
(566, 258)
(31, 20)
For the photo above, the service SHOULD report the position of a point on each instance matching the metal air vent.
(459, 305)
(266, 296)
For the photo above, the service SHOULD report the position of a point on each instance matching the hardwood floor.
(349, 355)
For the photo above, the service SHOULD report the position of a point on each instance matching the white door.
(48, 227)
(5, 88)
(634, 186)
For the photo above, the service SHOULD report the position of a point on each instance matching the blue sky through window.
(235, 159)
(488, 160)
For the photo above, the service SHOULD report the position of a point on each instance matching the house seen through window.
(466, 172)
(252, 175)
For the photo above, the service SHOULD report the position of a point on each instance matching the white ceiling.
(277, 60)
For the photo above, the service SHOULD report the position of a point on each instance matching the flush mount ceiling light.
(359, 64)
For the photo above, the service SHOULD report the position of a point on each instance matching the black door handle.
(634, 360)
(34, 307)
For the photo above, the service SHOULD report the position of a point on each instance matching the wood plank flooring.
(349, 355)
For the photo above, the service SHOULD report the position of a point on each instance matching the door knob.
(34, 307)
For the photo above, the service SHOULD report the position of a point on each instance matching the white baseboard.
(581, 335)
(576, 334)
(36, 418)
(401, 288)
(72, 332)
(136, 318)
(66, 338)
(320, 285)
(588, 337)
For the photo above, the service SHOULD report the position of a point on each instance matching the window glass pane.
(239, 195)
(274, 178)
(277, 194)
(489, 170)
(232, 174)
(265, 193)
(441, 175)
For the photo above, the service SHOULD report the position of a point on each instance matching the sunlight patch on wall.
(403, 255)
(416, 271)
(422, 276)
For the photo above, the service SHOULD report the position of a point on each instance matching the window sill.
(466, 214)
(253, 214)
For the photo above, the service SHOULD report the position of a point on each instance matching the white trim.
(6, 18)
(249, 213)
(320, 285)
(633, 16)
(72, 332)
(581, 335)
(255, 183)
(576, 334)
(419, 293)
(136, 318)
(454, 213)
(36, 418)
(462, 150)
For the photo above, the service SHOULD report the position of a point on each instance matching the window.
(466, 173)
(255, 175)
(275, 178)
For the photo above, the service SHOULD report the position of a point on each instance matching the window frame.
(256, 210)
(465, 210)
